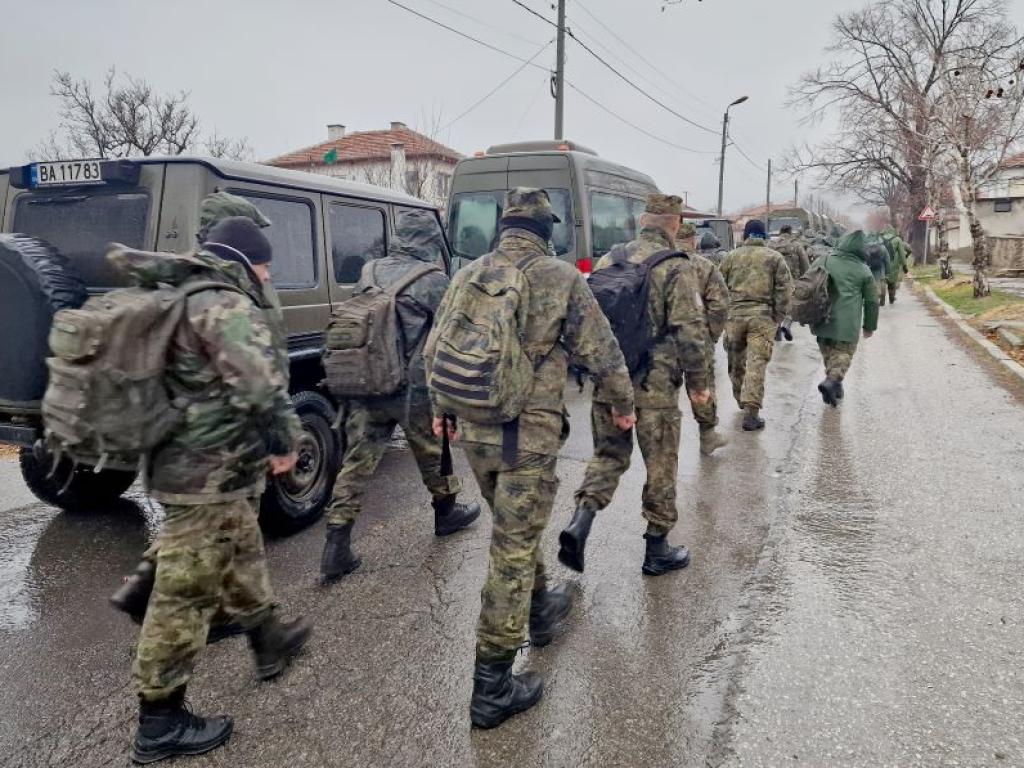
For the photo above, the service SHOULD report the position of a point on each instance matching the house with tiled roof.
(397, 158)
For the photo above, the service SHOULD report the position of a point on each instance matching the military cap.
(528, 203)
(664, 204)
(222, 205)
(687, 230)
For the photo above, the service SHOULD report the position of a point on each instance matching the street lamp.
(721, 163)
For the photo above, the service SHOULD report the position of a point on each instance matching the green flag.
(331, 156)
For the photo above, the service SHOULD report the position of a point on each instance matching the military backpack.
(480, 370)
(622, 289)
(812, 304)
(106, 403)
(365, 354)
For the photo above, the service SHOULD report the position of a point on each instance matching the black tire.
(73, 489)
(35, 282)
(299, 498)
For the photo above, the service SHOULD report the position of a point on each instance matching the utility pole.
(796, 193)
(768, 198)
(721, 159)
(560, 73)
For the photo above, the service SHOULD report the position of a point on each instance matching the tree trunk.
(980, 249)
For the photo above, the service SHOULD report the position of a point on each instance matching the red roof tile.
(368, 145)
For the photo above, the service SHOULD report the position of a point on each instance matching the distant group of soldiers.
(487, 355)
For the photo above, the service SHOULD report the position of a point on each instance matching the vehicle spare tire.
(35, 282)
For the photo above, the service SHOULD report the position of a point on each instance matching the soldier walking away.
(677, 344)
(133, 596)
(715, 299)
(899, 258)
(498, 358)
(878, 261)
(711, 248)
(854, 304)
(760, 288)
(370, 421)
(795, 254)
(209, 474)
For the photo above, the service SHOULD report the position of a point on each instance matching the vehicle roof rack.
(546, 145)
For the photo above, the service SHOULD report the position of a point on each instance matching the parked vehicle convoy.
(599, 202)
(323, 231)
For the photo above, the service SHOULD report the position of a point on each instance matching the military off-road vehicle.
(65, 213)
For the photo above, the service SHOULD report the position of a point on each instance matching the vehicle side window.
(614, 219)
(357, 235)
(291, 235)
(436, 249)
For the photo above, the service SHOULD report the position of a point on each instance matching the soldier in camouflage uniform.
(209, 475)
(760, 289)
(681, 336)
(715, 298)
(792, 249)
(711, 248)
(899, 253)
(133, 597)
(370, 422)
(563, 322)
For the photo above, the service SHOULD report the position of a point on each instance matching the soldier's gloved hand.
(280, 465)
(438, 425)
(703, 397)
(625, 423)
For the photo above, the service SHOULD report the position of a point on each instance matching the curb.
(1008, 362)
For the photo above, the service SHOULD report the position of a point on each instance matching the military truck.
(797, 218)
(323, 230)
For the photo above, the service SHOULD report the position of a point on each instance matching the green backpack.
(106, 403)
(812, 304)
(478, 368)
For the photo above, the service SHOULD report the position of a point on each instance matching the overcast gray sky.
(278, 72)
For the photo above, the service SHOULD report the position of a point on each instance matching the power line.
(481, 22)
(747, 157)
(617, 73)
(500, 85)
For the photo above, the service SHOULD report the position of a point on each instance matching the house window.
(444, 184)
(1003, 206)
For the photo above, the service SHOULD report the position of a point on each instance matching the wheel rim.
(300, 484)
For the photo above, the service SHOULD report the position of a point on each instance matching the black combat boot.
(450, 516)
(573, 540)
(892, 295)
(167, 728)
(778, 333)
(828, 391)
(838, 389)
(338, 558)
(787, 333)
(752, 421)
(498, 694)
(661, 558)
(274, 644)
(548, 608)
(132, 597)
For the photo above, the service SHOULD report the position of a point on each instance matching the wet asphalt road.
(854, 599)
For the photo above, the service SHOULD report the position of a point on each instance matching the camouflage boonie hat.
(528, 203)
(223, 205)
(664, 204)
(686, 230)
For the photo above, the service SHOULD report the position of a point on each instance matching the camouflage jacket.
(794, 253)
(715, 296)
(564, 322)
(759, 281)
(224, 364)
(417, 304)
(676, 312)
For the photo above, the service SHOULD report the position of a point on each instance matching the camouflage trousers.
(749, 342)
(209, 560)
(657, 432)
(837, 356)
(706, 415)
(367, 430)
(520, 496)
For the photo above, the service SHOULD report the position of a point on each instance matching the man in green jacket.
(854, 305)
(899, 259)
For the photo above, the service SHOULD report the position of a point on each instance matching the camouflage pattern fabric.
(687, 232)
(899, 253)
(368, 428)
(748, 343)
(882, 285)
(837, 355)
(676, 311)
(759, 282)
(657, 432)
(706, 414)
(223, 205)
(660, 204)
(793, 252)
(209, 561)
(563, 322)
(715, 296)
(520, 496)
(226, 369)
(528, 203)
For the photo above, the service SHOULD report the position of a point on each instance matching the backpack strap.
(410, 277)
(188, 289)
(663, 256)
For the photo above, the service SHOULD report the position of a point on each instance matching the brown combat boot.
(711, 440)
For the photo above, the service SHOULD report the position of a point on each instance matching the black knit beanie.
(239, 234)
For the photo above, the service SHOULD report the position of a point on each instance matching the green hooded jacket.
(852, 290)
(899, 254)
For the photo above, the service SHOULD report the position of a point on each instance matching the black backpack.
(622, 289)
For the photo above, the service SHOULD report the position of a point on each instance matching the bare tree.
(422, 169)
(126, 117)
(378, 174)
(230, 149)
